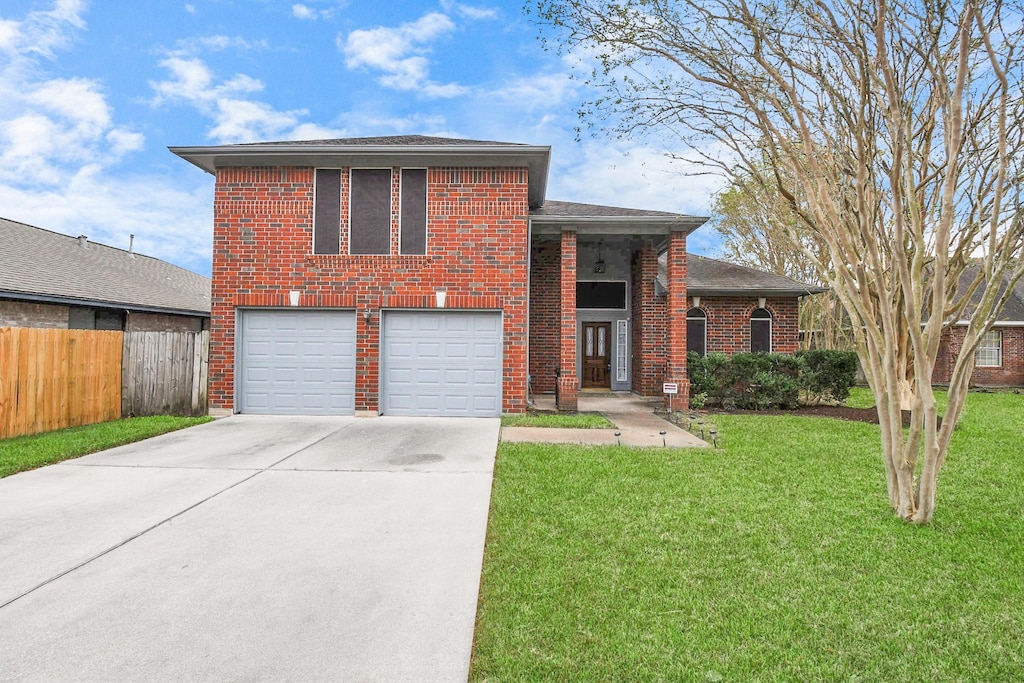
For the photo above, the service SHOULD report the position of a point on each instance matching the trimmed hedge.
(760, 381)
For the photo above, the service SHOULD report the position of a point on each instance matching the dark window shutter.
(370, 211)
(414, 211)
(327, 211)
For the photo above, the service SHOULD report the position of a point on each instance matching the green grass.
(560, 420)
(775, 558)
(28, 452)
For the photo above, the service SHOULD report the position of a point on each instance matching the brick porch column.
(675, 370)
(568, 384)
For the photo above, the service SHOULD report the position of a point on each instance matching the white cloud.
(60, 145)
(399, 53)
(191, 9)
(468, 11)
(303, 12)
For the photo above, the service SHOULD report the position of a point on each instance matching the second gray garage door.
(296, 362)
(441, 363)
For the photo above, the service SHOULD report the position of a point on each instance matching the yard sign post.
(670, 389)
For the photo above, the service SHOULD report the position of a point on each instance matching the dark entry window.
(327, 211)
(414, 211)
(601, 295)
(697, 331)
(370, 211)
(760, 331)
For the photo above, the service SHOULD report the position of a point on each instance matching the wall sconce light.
(293, 297)
(599, 264)
(440, 295)
(760, 302)
(367, 315)
(696, 301)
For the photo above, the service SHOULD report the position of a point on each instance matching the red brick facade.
(477, 248)
(649, 323)
(1010, 374)
(728, 326)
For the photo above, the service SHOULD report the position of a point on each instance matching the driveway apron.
(251, 548)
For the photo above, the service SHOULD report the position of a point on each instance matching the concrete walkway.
(632, 416)
(251, 548)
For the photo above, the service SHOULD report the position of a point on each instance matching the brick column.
(675, 370)
(568, 383)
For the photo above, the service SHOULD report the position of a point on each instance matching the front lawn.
(28, 452)
(559, 420)
(775, 558)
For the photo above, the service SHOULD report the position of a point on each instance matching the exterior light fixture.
(599, 264)
(367, 314)
(440, 295)
(700, 423)
(618, 441)
(662, 432)
(293, 297)
(714, 437)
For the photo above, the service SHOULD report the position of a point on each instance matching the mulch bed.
(840, 412)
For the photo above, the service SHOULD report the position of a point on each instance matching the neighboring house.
(52, 280)
(999, 361)
(431, 276)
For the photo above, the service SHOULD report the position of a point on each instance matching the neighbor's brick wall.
(30, 314)
(1011, 374)
(729, 323)
(163, 322)
(477, 247)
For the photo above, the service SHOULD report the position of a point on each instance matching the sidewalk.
(632, 415)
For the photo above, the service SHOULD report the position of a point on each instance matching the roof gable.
(44, 265)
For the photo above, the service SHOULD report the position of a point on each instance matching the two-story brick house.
(431, 276)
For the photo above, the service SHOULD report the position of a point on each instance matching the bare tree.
(747, 215)
(894, 130)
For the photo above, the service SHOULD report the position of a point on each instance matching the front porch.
(599, 319)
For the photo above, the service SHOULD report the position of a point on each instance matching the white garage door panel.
(441, 363)
(297, 362)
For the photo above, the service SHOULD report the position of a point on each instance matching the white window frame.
(991, 345)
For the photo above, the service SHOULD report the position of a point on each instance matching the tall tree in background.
(893, 130)
(747, 216)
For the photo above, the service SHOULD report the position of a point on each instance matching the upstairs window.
(760, 331)
(413, 222)
(990, 351)
(369, 216)
(697, 331)
(327, 211)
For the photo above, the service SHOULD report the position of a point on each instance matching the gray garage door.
(297, 362)
(441, 363)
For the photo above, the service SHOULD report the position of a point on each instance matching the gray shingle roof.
(575, 210)
(384, 140)
(707, 277)
(1013, 311)
(40, 264)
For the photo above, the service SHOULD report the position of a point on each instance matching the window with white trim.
(760, 331)
(990, 351)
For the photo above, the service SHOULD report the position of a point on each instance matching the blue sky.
(92, 94)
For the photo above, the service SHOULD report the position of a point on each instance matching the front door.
(597, 355)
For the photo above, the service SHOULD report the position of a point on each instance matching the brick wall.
(649, 324)
(163, 322)
(477, 248)
(729, 323)
(31, 314)
(1011, 374)
(545, 314)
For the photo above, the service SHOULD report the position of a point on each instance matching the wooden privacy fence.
(165, 373)
(51, 379)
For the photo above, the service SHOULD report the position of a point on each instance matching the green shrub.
(828, 374)
(760, 381)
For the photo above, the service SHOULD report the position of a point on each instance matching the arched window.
(697, 331)
(760, 331)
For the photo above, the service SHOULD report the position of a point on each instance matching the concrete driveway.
(251, 548)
